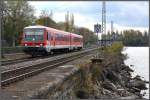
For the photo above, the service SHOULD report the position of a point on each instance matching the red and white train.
(41, 40)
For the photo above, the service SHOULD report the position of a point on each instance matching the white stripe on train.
(49, 47)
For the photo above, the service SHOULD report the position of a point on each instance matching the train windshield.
(33, 34)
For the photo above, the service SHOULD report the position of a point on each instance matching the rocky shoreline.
(119, 83)
(109, 78)
(105, 76)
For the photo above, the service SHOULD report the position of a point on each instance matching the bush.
(96, 71)
(86, 79)
(116, 47)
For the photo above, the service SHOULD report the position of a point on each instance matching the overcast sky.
(124, 14)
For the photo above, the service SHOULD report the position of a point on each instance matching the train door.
(52, 40)
(48, 44)
(71, 41)
(70, 48)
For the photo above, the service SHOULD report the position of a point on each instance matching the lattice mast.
(112, 28)
(103, 18)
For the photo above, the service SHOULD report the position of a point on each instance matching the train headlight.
(25, 44)
(41, 44)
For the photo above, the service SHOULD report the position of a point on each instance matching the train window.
(39, 32)
(61, 37)
(51, 37)
(67, 38)
(33, 34)
(64, 38)
(47, 36)
(29, 33)
(76, 39)
(57, 37)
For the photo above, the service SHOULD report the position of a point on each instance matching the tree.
(72, 23)
(145, 37)
(67, 22)
(17, 14)
(129, 37)
(108, 35)
(46, 19)
(88, 36)
(51, 14)
(61, 25)
(134, 38)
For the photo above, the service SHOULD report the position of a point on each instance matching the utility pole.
(103, 18)
(112, 28)
(2, 29)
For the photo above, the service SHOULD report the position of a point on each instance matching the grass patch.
(12, 49)
(90, 73)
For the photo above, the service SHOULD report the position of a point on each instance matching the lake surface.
(139, 58)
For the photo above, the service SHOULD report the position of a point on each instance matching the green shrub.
(86, 78)
(96, 71)
(116, 47)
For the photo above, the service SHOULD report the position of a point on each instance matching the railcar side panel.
(52, 39)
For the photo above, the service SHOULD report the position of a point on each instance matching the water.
(139, 57)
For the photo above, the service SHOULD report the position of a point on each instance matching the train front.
(33, 41)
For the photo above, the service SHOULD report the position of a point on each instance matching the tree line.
(19, 14)
(129, 37)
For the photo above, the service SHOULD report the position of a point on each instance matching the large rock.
(127, 68)
(126, 77)
(113, 76)
(137, 84)
(132, 97)
(137, 77)
(109, 85)
(82, 94)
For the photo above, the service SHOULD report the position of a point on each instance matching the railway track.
(3, 63)
(28, 58)
(14, 75)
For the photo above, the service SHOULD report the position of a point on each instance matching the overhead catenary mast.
(103, 18)
(112, 28)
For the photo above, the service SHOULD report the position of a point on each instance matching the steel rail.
(3, 63)
(7, 62)
(21, 73)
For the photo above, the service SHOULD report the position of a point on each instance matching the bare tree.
(51, 14)
(19, 13)
(72, 23)
(67, 21)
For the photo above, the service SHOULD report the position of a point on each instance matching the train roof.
(38, 26)
(35, 26)
(77, 35)
(52, 29)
